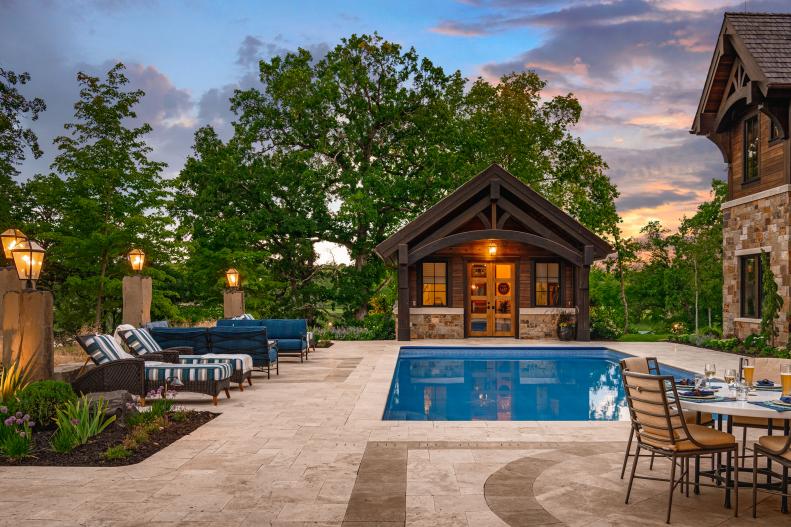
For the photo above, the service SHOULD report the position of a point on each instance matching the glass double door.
(490, 304)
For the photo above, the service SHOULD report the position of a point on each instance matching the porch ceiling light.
(28, 260)
(492, 249)
(10, 239)
(232, 277)
(136, 259)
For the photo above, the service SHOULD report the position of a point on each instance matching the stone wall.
(436, 326)
(747, 227)
(538, 323)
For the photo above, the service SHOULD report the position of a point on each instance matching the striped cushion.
(160, 371)
(240, 362)
(104, 349)
(140, 341)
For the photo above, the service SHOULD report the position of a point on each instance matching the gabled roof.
(476, 189)
(755, 46)
(767, 37)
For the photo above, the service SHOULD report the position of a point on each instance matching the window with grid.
(547, 284)
(435, 283)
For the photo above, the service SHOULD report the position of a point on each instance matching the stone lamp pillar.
(8, 282)
(27, 332)
(137, 293)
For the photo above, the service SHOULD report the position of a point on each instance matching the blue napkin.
(764, 383)
(772, 406)
(717, 399)
(697, 393)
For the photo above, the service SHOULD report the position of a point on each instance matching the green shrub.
(710, 331)
(81, 420)
(116, 452)
(380, 326)
(604, 325)
(42, 399)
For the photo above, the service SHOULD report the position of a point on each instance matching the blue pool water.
(509, 384)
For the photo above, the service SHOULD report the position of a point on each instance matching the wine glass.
(710, 370)
(730, 378)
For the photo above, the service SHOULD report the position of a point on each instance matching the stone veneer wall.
(436, 326)
(764, 222)
(541, 323)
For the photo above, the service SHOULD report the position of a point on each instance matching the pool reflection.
(506, 390)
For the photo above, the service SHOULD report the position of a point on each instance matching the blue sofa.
(252, 341)
(291, 334)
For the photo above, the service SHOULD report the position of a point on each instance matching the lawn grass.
(649, 337)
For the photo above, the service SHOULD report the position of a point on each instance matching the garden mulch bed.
(89, 454)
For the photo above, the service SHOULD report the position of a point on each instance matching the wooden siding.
(772, 161)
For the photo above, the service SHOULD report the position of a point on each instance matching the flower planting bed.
(93, 453)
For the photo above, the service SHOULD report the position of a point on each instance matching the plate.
(698, 397)
(781, 403)
(768, 388)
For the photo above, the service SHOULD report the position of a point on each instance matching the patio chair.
(651, 365)
(141, 344)
(116, 369)
(660, 429)
(765, 368)
(777, 449)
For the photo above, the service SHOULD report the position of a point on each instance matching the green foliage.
(80, 420)
(771, 303)
(16, 110)
(604, 324)
(375, 326)
(16, 435)
(41, 400)
(13, 379)
(640, 337)
(116, 452)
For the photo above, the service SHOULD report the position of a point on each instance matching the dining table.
(722, 410)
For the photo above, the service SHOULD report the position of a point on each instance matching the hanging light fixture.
(232, 278)
(136, 259)
(11, 238)
(492, 249)
(28, 260)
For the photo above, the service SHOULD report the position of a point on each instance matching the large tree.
(110, 200)
(15, 138)
(385, 134)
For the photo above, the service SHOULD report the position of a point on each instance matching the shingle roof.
(767, 36)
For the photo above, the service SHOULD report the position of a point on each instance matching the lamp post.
(28, 259)
(10, 238)
(137, 291)
(136, 259)
(27, 314)
(233, 296)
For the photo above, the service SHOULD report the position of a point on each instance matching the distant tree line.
(344, 148)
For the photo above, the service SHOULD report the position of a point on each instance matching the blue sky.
(637, 66)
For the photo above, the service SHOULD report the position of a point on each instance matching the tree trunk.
(697, 294)
(709, 317)
(623, 297)
(100, 295)
(362, 309)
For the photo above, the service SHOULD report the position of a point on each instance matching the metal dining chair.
(778, 450)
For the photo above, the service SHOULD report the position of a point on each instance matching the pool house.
(493, 259)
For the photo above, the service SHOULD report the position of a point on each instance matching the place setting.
(703, 388)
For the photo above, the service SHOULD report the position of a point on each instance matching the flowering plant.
(16, 434)
(78, 422)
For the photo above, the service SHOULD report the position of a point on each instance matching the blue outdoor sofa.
(291, 335)
(252, 341)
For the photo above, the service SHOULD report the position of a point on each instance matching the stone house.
(744, 110)
(492, 259)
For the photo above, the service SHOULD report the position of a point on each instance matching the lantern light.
(136, 259)
(28, 259)
(232, 277)
(492, 249)
(10, 239)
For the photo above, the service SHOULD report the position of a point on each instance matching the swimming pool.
(509, 384)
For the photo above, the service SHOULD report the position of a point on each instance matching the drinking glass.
(785, 379)
(741, 391)
(730, 377)
(748, 370)
(710, 370)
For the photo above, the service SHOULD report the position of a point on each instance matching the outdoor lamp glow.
(10, 239)
(28, 259)
(232, 276)
(492, 250)
(136, 259)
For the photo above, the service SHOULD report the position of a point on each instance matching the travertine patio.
(309, 448)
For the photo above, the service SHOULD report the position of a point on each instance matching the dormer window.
(751, 146)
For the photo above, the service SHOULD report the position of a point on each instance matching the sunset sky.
(637, 66)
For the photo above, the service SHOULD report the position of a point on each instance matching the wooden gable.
(494, 204)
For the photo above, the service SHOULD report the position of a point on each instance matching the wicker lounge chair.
(651, 365)
(660, 429)
(116, 369)
(143, 345)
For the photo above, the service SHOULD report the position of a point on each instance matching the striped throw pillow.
(140, 341)
(104, 349)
